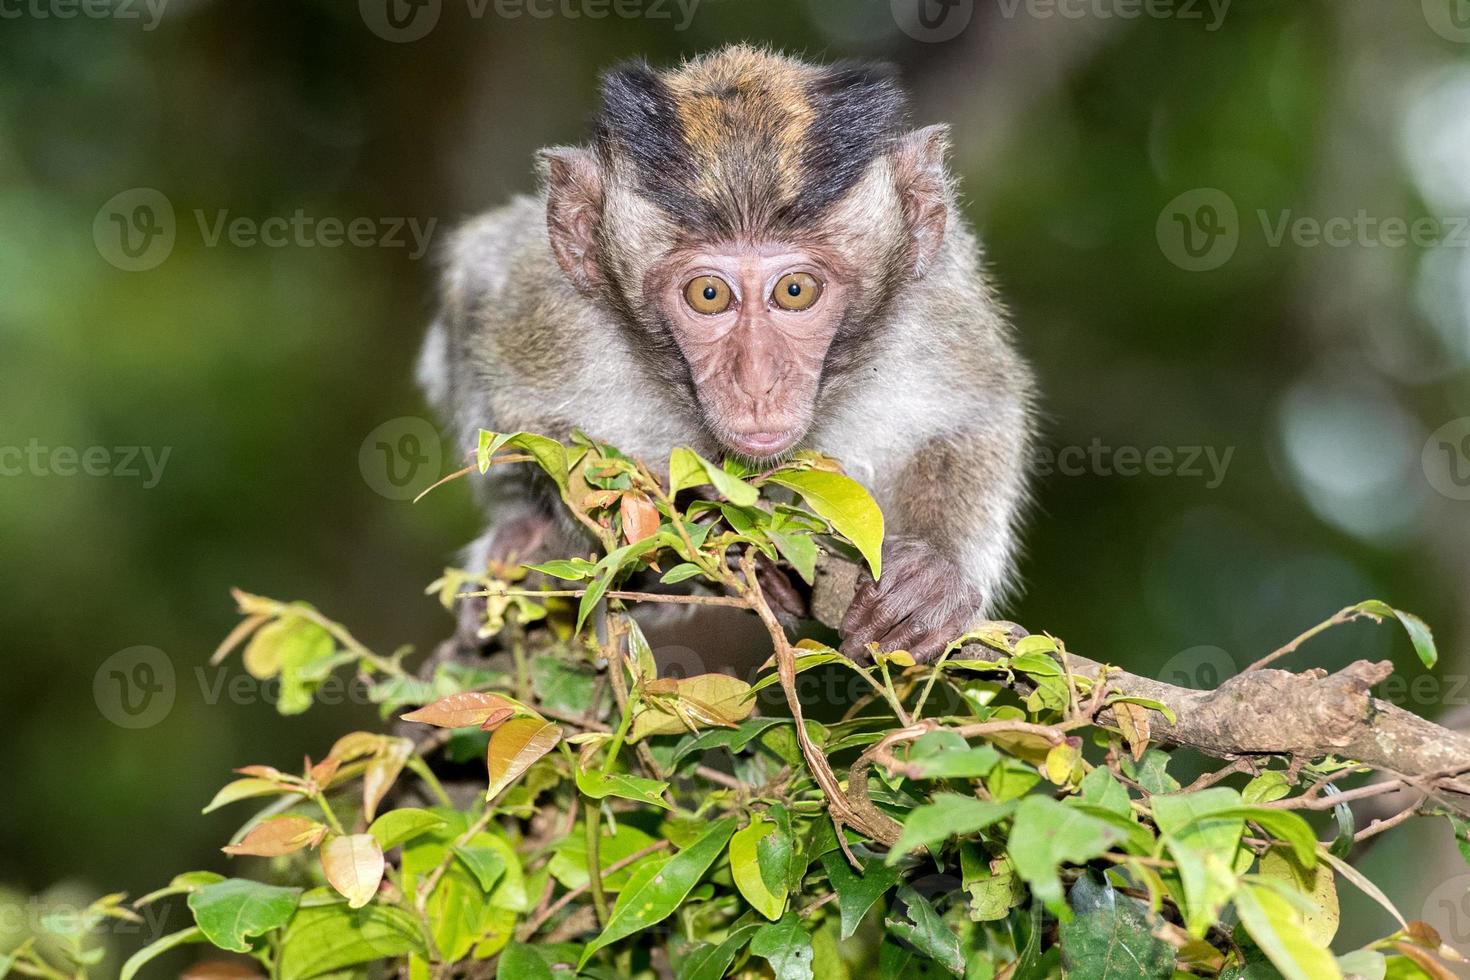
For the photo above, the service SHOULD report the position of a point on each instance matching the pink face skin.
(756, 366)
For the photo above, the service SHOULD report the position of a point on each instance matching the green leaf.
(659, 887)
(681, 572)
(787, 946)
(856, 894)
(1151, 772)
(949, 815)
(1363, 964)
(154, 950)
(598, 785)
(1202, 831)
(563, 685)
(745, 867)
(1418, 630)
(993, 890)
(328, 938)
(1111, 936)
(244, 789)
(798, 549)
(688, 469)
(550, 455)
(846, 506)
(1100, 789)
(734, 739)
(926, 931)
(568, 862)
(571, 569)
(711, 962)
(521, 962)
(1276, 927)
(397, 826)
(1047, 834)
(1268, 786)
(487, 864)
(944, 755)
(1283, 825)
(235, 910)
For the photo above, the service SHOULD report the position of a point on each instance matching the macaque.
(754, 255)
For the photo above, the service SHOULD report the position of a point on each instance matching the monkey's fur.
(565, 310)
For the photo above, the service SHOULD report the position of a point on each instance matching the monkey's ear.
(573, 179)
(923, 187)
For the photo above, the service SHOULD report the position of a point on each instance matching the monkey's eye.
(797, 291)
(707, 294)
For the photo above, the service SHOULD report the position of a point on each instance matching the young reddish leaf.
(514, 746)
(354, 745)
(280, 835)
(461, 710)
(600, 499)
(382, 771)
(354, 866)
(640, 516)
(263, 772)
(323, 772)
(497, 718)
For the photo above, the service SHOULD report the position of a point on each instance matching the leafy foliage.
(633, 824)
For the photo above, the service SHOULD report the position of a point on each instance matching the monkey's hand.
(922, 603)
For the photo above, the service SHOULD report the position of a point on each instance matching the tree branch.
(1265, 711)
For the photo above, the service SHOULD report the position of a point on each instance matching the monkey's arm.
(952, 535)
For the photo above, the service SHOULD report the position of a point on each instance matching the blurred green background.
(1147, 178)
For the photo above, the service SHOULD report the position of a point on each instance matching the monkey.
(754, 255)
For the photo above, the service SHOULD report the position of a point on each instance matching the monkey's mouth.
(763, 444)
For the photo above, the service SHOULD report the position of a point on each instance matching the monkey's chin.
(762, 445)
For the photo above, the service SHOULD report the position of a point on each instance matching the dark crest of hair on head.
(747, 143)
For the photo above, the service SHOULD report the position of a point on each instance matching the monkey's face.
(753, 322)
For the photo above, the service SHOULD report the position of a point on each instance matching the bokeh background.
(1249, 423)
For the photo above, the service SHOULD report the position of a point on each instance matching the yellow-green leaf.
(1277, 928)
(745, 868)
(848, 507)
